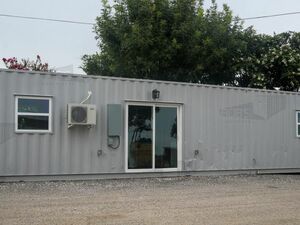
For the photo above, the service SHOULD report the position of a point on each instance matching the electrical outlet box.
(114, 120)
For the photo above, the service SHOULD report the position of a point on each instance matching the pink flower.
(12, 63)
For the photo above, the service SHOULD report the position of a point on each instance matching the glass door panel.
(165, 137)
(140, 137)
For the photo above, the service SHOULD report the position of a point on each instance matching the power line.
(87, 23)
(268, 16)
(46, 19)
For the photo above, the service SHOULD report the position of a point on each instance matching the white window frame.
(297, 123)
(49, 114)
(178, 106)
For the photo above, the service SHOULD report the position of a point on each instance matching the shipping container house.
(67, 126)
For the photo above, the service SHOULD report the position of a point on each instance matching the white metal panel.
(231, 128)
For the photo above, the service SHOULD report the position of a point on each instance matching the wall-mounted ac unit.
(81, 114)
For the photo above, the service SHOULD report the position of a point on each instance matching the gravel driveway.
(227, 200)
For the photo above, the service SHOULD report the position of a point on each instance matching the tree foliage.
(272, 62)
(179, 40)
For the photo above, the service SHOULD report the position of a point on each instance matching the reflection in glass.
(165, 137)
(33, 105)
(139, 137)
(33, 122)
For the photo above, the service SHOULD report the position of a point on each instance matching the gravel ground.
(228, 200)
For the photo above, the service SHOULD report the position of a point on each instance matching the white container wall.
(223, 128)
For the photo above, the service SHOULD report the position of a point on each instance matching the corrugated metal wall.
(231, 128)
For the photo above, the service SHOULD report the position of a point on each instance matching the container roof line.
(74, 75)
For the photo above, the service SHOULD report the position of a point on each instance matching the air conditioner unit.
(81, 114)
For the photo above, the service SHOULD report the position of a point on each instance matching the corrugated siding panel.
(231, 128)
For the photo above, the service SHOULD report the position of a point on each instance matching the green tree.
(254, 46)
(166, 40)
(271, 62)
(179, 40)
(222, 44)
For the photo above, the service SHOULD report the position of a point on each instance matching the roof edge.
(75, 75)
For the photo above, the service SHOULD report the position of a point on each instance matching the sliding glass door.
(165, 137)
(140, 137)
(152, 137)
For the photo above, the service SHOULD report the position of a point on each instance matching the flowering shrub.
(26, 64)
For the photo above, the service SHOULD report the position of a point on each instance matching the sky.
(62, 45)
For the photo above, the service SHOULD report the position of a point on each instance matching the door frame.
(179, 107)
